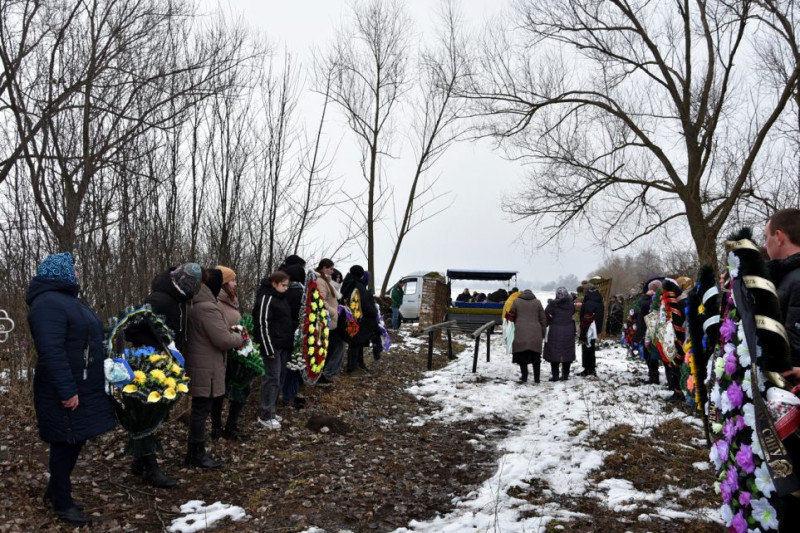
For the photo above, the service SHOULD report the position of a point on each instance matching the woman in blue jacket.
(68, 384)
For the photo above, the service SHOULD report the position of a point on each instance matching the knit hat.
(294, 260)
(357, 271)
(187, 278)
(58, 266)
(654, 285)
(227, 273)
(562, 293)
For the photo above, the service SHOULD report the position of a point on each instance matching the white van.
(412, 295)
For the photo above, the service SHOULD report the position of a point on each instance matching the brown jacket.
(208, 339)
(229, 308)
(530, 323)
(329, 294)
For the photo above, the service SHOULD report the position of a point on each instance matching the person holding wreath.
(68, 384)
(208, 339)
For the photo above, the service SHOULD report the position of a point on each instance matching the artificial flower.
(158, 375)
(733, 264)
(764, 480)
(735, 394)
(749, 416)
(129, 388)
(719, 367)
(764, 513)
(155, 358)
(139, 376)
(744, 458)
(171, 383)
(726, 514)
(730, 430)
(169, 393)
(701, 309)
(153, 397)
(747, 385)
(744, 498)
(731, 365)
(713, 455)
(723, 448)
(716, 427)
(182, 388)
(175, 368)
(739, 523)
(727, 329)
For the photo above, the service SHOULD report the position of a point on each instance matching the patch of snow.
(199, 517)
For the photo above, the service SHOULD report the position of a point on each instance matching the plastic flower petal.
(764, 513)
(129, 388)
(735, 395)
(726, 514)
(153, 397)
(739, 523)
(764, 480)
(169, 393)
(744, 458)
(182, 388)
(139, 376)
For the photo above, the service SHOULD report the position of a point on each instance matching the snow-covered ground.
(548, 445)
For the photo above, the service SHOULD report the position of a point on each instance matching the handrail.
(478, 332)
(448, 326)
(489, 329)
(440, 325)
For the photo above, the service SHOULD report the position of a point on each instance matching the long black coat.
(593, 303)
(560, 345)
(168, 301)
(69, 343)
(368, 325)
(786, 275)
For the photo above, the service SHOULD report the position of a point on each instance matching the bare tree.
(635, 115)
(370, 62)
(435, 127)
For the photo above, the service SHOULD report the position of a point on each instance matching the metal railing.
(451, 325)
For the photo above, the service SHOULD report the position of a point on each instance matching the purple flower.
(730, 430)
(744, 458)
(735, 394)
(739, 524)
(740, 422)
(722, 450)
(727, 329)
(729, 485)
(731, 365)
(744, 498)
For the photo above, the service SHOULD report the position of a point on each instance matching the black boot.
(231, 431)
(536, 371)
(154, 475)
(216, 433)
(137, 466)
(196, 456)
(564, 371)
(554, 371)
(74, 516)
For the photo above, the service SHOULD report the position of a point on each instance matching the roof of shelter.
(504, 275)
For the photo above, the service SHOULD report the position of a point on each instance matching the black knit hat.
(357, 271)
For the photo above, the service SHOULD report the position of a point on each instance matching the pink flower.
(739, 523)
(735, 394)
(744, 498)
(730, 430)
(723, 449)
(731, 365)
(727, 330)
(744, 458)
(740, 422)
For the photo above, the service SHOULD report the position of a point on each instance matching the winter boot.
(564, 371)
(536, 371)
(554, 371)
(137, 466)
(216, 433)
(196, 456)
(154, 475)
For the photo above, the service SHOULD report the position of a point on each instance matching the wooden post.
(430, 349)
(488, 343)
(475, 355)
(450, 344)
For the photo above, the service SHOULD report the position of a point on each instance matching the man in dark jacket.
(592, 311)
(171, 290)
(782, 236)
(294, 295)
(398, 291)
(354, 289)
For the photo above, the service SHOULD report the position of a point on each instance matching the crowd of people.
(201, 308)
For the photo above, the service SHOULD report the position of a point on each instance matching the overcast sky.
(473, 233)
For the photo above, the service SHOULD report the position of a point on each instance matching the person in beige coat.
(331, 295)
(237, 393)
(208, 339)
(530, 324)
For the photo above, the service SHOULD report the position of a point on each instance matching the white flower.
(726, 514)
(716, 427)
(725, 403)
(709, 366)
(764, 513)
(729, 348)
(762, 380)
(719, 367)
(744, 355)
(715, 394)
(764, 480)
(747, 385)
(713, 455)
(756, 447)
(749, 416)
(733, 268)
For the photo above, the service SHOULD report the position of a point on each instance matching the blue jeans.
(395, 317)
(291, 386)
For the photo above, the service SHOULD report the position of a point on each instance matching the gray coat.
(529, 323)
(560, 345)
(208, 340)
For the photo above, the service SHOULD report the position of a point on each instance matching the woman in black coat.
(560, 346)
(68, 384)
(368, 323)
(592, 310)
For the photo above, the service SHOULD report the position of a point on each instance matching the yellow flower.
(316, 294)
(129, 388)
(155, 358)
(175, 368)
(311, 350)
(139, 376)
(701, 309)
(182, 388)
(314, 306)
(312, 317)
(170, 382)
(158, 375)
(169, 393)
(153, 397)
(311, 339)
(311, 328)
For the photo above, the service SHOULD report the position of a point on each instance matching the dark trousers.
(201, 408)
(673, 377)
(291, 386)
(234, 410)
(536, 369)
(63, 457)
(564, 370)
(355, 356)
(588, 357)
